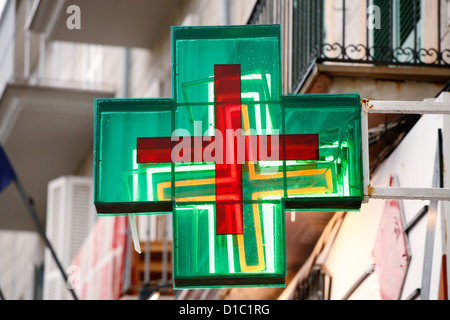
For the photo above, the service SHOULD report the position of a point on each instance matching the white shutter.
(70, 216)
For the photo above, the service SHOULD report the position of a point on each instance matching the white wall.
(351, 254)
(20, 253)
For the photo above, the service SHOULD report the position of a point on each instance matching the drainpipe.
(126, 73)
(226, 12)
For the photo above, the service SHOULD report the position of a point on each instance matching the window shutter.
(70, 216)
(382, 38)
(407, 17)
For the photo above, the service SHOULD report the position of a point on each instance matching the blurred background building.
(52, 69)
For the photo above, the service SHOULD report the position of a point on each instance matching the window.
(307, 30)
(409, 15)
(408, 29)
(382, 38)
(401, 30)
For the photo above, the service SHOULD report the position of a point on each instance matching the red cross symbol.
(228, 176)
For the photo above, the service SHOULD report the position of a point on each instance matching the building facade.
(58, 56)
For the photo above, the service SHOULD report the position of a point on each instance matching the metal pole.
(321, 26)
(365, 152)
(343, 29)
(147, 254)
(41, 231)
(435, 194)
(367, 30)
(126, 73)
(165, 252)
(146, 290)
(358, 282)
(416, 54)
(431, 224)
(415, 219)
(226, 12)
(407, 107)
(439, 32)
(414, 294)
(391, 30)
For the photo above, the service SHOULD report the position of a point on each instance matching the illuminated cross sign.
(228, 155)
(231, 147)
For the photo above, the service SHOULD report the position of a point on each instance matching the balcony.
(142, 24)
(395, 39)
(46, 118)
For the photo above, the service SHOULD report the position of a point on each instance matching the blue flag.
(7, 173)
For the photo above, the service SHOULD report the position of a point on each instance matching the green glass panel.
(196, 50)
(338, 172)
(205, 259)
(120, 182)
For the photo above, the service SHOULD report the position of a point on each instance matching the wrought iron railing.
(377, 32)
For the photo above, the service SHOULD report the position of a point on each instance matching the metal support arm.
(434, 106)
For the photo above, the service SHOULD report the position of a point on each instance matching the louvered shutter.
(382, 38)
(410, 11)
(70, 216)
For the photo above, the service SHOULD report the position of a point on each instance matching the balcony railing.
(376, 32)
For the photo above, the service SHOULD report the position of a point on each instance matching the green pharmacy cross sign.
(228, 155)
